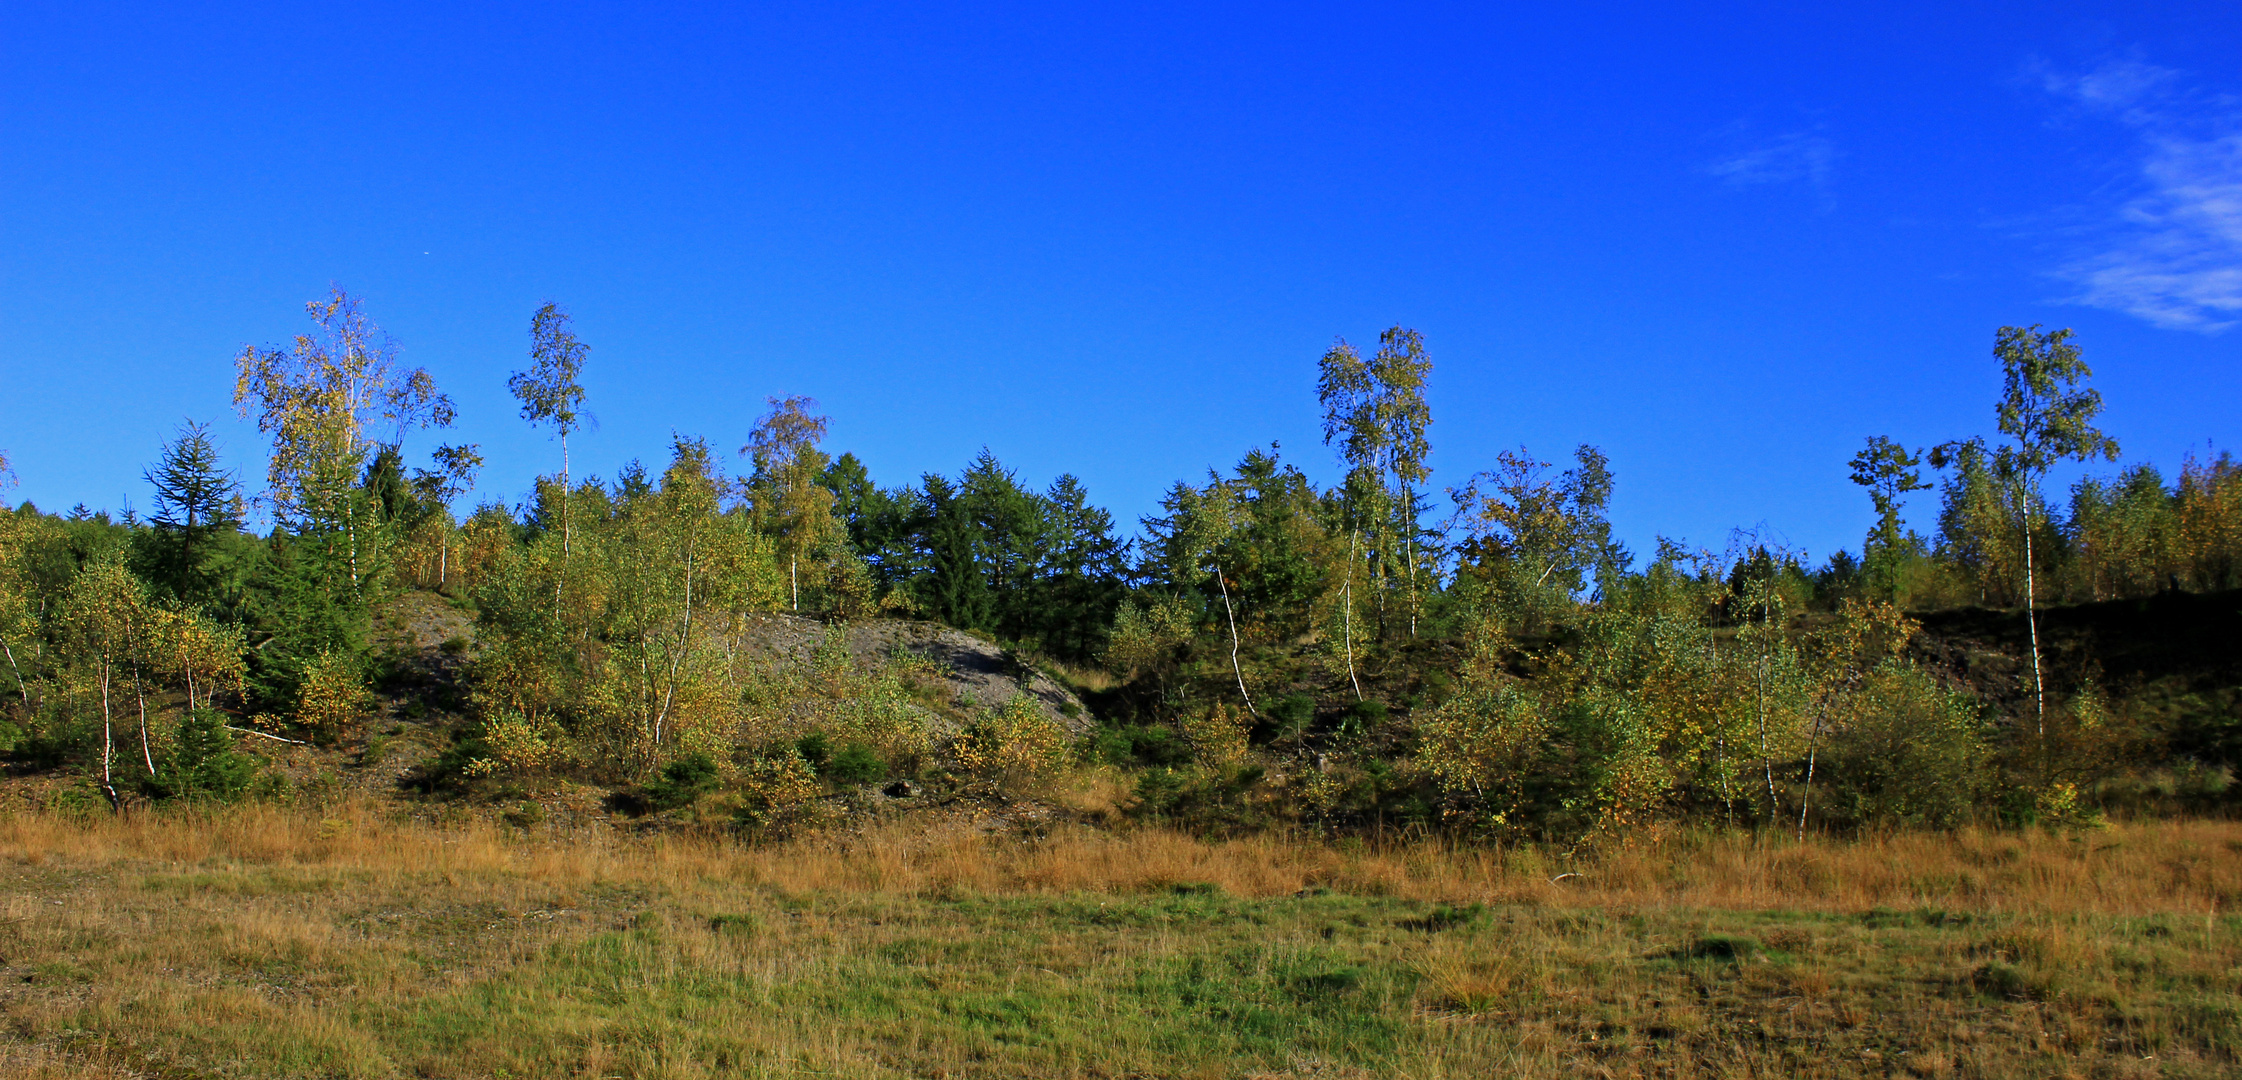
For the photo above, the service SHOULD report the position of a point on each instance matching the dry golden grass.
(2148, 868)
(2163, 867)
(268, 942)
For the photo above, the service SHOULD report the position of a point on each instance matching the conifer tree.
(1082, 587)
(954, 588)
(1193, 539)
(197, 503)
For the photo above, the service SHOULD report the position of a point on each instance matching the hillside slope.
(2172, 662)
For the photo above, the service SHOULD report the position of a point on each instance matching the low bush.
(682, 782)
(201, 762)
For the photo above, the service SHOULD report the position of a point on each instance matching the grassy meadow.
(264, 942)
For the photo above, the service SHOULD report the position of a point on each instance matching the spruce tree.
(197, 505)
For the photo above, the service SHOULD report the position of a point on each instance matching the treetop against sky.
(1114, 242)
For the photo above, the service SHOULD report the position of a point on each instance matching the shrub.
(1289, 717)
(682, 782)
(1218, 737)
(1362, 717)
(774, 790)
(202, 763)
(1912, 753)
(856, 763)
(333, 700)
(814, 748)
(1215, 799)
(513, 744)
(1141, 745)
(1018, 738)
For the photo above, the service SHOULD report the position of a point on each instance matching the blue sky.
(1113, 241)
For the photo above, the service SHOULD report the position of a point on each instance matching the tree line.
(1484, 655)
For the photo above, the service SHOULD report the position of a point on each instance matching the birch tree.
(1764, 634)
(1349, 394)
(790, 502)
(17, 618)
(203, 654)
(663, 567)
(453, 476)
(101, 615)
(549, 391)
(323, 400)
(2048, 414)
(1399, 371)
(1537, 540)
(1375, 413)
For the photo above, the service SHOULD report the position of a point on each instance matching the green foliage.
(1906, 753)
(1889, 471)
(2133, 536)
(984, 553)
(855, 763)
(182, 554)
(1290, 716)
(682, 782)
(774, 793)
(2044, 405)
(815, 748)
(1979, 517)
(549, 391)
(621, 637)
(1203, 799)
(201, 762)
(1538, 683)
(1141, 745)
(1018, 739)
(1538, 542)
(784, 495)
(1363, 717)
(1149, 640)
(333, 700)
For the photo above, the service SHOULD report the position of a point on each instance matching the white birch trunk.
(1232, 616)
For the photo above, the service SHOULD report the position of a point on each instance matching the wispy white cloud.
(2171, 252)
(2120, 86)
(1789, 158)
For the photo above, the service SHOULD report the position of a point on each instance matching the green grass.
(1165, 984)
(543, 962)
